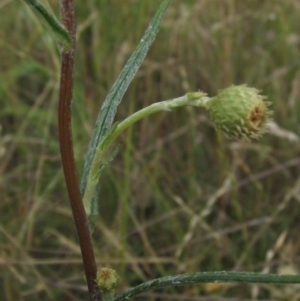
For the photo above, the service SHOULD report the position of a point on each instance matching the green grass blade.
(114, 97)
(56, 29)
(204, 277)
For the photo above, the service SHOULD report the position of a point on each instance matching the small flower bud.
(240, 112)
(106, 279)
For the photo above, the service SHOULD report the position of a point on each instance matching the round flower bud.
(240, 112)
(106, 279)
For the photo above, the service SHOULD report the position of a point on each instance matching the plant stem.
(205, 277)
(67, 155)
(166, 105)
(197, 99)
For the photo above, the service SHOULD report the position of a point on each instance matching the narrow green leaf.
(56, 29)
(114, 97)
(204, 277)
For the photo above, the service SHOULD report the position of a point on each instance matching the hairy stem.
(197, 99)
(67, 155)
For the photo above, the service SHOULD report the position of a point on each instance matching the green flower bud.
(240, 112)
(106, 280)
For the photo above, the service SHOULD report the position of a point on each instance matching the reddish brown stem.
(67, 155)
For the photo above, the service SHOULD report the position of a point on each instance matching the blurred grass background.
(179, 197)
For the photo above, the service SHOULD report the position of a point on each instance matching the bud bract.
(240, 112)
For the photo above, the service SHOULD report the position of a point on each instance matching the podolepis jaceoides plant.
(241, 112)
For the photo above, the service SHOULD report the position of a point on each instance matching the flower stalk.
(197, 99)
